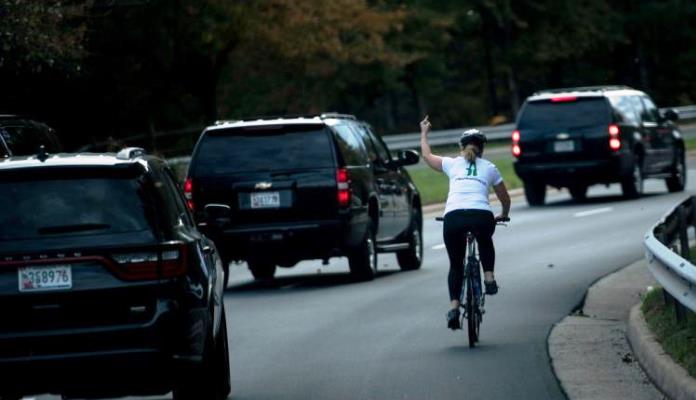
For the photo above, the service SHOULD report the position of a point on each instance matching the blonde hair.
(470, 152)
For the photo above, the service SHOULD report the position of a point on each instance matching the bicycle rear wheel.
(472, 313)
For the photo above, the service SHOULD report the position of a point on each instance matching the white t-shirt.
(469, 183)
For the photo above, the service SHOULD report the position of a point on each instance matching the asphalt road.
(315, 335)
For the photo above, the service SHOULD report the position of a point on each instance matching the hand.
(425, 126)
(502, 218)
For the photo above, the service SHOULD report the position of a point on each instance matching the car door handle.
(207, 249)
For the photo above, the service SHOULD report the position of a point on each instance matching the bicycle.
(473, 299)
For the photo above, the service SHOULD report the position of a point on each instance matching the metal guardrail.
(493, 133)
(667, 253)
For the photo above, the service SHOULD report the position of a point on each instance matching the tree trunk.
(514, 92)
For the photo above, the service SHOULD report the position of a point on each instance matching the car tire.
(578, 192)
(535, 193)
(226, 270)
(412, 258)
(677, 182)
(209, 379)
(632, 185)
(262, 270)
(362, 260)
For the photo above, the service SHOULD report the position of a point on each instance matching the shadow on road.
(313, 281)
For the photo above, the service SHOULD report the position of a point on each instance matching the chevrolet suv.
(106, 287)
(275, 191)
(577, 137)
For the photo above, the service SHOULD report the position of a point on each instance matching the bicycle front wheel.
(473, 317)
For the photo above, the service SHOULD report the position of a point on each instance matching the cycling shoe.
(453, 319)
(491, 287)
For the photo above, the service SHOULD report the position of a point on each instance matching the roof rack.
(603, 88)
(130, 152)
(287, 116)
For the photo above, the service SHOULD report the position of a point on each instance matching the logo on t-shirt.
(471, 171)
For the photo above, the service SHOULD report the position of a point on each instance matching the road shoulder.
(589, 352)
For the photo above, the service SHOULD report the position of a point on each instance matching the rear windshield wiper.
(52, 230)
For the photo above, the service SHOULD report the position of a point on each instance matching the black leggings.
(457, 224)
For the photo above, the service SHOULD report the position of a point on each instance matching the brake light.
(614, 137)
(188, 193)
(167, 261)
(343, 184)
(563, 99)
(516, 149)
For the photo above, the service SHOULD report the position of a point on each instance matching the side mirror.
(408, 157)
(671, 115)
(218, 214)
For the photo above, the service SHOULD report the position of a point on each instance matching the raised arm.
(433, 161)
(504, 197)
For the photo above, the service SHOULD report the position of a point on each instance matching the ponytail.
(470, 152)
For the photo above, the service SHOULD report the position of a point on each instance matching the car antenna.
(42, 156)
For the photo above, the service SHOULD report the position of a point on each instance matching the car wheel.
(209, 379)
(632, 186)
(578, 192)
(412, 258)
(677, 181)
(262, 270)
(363, 259)
(535, 192)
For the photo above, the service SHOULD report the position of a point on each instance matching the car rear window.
(41, 208)
(263, 149)
(565, 114)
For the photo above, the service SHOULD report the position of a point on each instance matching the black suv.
(276, 191)
(578, 137)
(106, 286)
(22, 137)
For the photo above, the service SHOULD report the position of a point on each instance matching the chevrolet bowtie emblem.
(263, 185)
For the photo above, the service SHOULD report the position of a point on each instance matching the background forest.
(119, 68)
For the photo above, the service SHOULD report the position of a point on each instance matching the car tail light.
(516, 149)
(343, 194)
(614, 137)
(166, 261)
(563, 99)
(188, 193)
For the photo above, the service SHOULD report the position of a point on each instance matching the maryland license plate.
(563, 146)
(265, 200)
(36, 279)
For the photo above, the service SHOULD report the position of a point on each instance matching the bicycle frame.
(472, 298)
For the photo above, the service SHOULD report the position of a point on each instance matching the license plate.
(36, 279)
(265, 200)
(564, 146)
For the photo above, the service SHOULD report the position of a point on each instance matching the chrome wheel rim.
(417, 244)
(637, 179)
(372, 253)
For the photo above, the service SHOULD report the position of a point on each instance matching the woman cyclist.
(468, 209)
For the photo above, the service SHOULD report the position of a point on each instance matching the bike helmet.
(473, 136)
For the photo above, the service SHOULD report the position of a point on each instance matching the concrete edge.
(668, 376)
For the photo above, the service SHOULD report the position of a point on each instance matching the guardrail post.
(683, 234)
(669, 300)
(679, 311)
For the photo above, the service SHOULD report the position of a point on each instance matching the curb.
(671, 378)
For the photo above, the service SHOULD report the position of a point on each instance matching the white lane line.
(592, 212)
(439, 246)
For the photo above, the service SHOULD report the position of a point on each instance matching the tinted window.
(39, 208)
(626, 109)
(565, 115)
(350, 146)
(379, 145)
(263, 149)
(650, 113)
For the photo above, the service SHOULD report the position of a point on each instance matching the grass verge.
(433, 185)
(678, 340)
